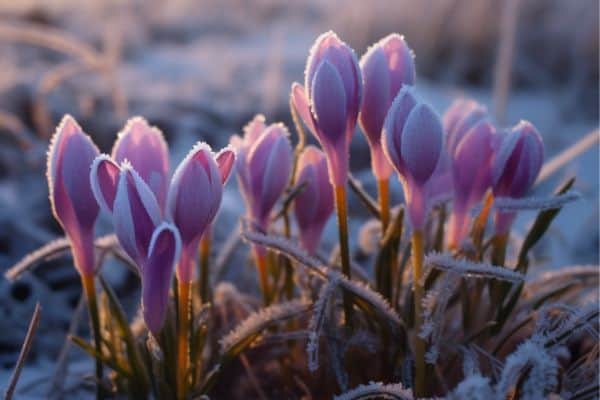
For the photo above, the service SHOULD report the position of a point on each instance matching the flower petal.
(104, 177)
(225, 160)
(328, 104)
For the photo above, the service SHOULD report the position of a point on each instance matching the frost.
(377, 390)
(257, 321)
(446, 262)
(532, 365)
(316, 323)
(474, 387)
(535, 203)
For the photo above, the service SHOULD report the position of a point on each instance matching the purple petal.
(157, 274)
(394, 125)
(328, 104)
(145, 148)
(459, 119)
(376, 93)
(302, 106)
(254, 129)
(421, 145)
(400, 61)
(104, 177)
(195, 193)
(135, 214)
(72, 152)
(225, 161)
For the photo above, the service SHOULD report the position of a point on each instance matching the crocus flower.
(412, 142)
(461, 116)
(195, 197)
(387, 66)
(517, 163)
(314, 204)
(471, 172)
(70, 155)
(263, 167)
(330, 100)
(145, 148)
(157, 273)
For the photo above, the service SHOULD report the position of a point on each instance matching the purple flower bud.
(104, 177)
(412, 141)
(157, 273)
(330, 100)
(70, 155)
(517, 163)
(314, 205)
(145, 148)
(460, 117)
(195, 197)
(471, 171)
(386, 67)
(135, 214)
(263, 168)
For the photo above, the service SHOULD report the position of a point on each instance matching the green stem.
(342, 214)
(90, 294)
(417, 261)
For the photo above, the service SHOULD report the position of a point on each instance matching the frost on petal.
(328, 104)
(164, 250)
(104, 176)
(421, 145)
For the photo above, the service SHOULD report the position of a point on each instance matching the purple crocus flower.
(145, 148)
(517, 163)
(195, 197)
(70, 155)
(263, 167)
(471, 172)
(412, 141)
(104, 177)
(157, 273)
(314, 205)
(386, 67)
(330, 100)
(460, 117)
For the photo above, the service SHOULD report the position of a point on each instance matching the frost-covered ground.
(201, 71)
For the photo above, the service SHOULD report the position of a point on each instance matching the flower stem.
(499, 243)
(383, 189)
(262, 265)
(342, 214)
(89, 289)
(205, 243)
(417, 261)
(183, 337)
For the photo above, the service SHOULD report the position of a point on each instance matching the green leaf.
(88, 348)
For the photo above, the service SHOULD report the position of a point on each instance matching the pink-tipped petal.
(145, 148)
(302, 106)
(104, 176)
(225, 161)
(157, 274)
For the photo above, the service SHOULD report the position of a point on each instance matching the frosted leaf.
(535, 203)
(446, 262)
(369, 236)
(259, 320)
(539, 368)
(317, 320)
(556, 330)
(473, 387)
(377, 390)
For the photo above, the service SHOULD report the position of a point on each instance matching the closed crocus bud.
(195, 197)
(459, 118)
(145, 148)
(330, 100)
(70, 155)
(412, 141)
(517, 163)
(157, 273)
(387, 66)
(314, 204)
(264, 169)
(136, 214)
(471, 172)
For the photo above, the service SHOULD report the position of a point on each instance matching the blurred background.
(202, 69)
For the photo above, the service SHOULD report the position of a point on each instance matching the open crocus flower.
(517, 163)
(412, 141)
(263, 167)
(471, 172)
(314, 204)
(386, 67)
(70, 155)
(145, 148)
(330, 100)
(195, 197)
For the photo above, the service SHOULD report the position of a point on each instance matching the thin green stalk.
(342, 214)
(89, 289)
